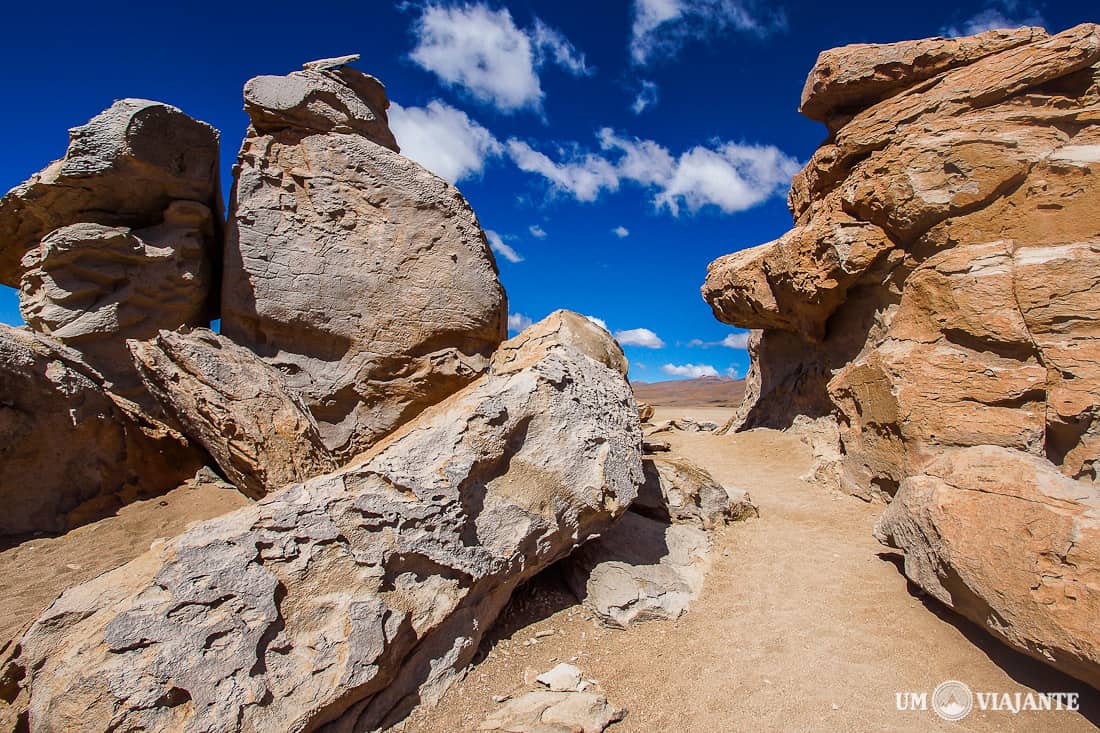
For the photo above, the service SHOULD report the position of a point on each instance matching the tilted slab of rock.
(862, 74)
(357, 273)
(339, 603)
(236, 406)
(92, 287)
(651, 565)
(69, 450)
(1005, 540)
(123, 168)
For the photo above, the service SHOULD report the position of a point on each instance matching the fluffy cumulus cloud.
(639, 337)
(582, 176)
(730, 176)
(647, 97)
(537, 232)
(732, 341)
(689, 370)
(443, 139)
(998, 14)
(621, 232)
(482, 51)
(517, 322)
(498, 245)
(661, 27)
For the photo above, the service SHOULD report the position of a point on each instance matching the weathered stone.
(70, 451)
(327, 96)
(645, 412)
(862, 74)
(678, 490)
(332, 63)
(123, 168)
(972, 334)
(1005, 540)
(640, 570)
(562, 678)
(92, 287)
(236, 406)
(345, 600)
(362, 277)
(544, 711)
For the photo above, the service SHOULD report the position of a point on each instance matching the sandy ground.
(804, 625)
(34, 572)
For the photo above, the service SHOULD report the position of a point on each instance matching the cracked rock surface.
(341, 602)
(361, 276)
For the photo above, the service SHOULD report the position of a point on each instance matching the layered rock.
(71, 451)
(361, 276)
(974, 508)
(938, 297)
(124, 168)
(92, 286)
(343, 601)
(236, 406)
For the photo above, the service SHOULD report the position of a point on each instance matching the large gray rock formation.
(236, 406)
(361, 276)
(123, 168)
(341, 602)
(70, 450)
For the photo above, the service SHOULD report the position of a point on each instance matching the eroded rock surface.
(71, 451)
(236, 406)
(1004, 539)
(544, 711)
(938, 294)
(123, 168)
(92, 287)
(651, 565)
(340, 602)
(361, 276)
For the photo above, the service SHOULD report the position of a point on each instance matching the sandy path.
(802, 626)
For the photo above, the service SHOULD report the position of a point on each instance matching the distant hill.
(704, 391)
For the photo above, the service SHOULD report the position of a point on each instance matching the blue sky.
(612, 149)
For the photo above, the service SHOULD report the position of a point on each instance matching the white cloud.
(537, 232)
(496, 242)
(647, 97)
(661, 27)
(732, 372)
(639, 337)
(690, 370)
(997, 14)
(443, 139)
(517, 322)
(732, 341)
(736, 341)
(621, 232)
(483, 52)
(584, 176)
(730, 176)
(599, 322)
(733, 177)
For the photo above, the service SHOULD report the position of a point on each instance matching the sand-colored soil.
(802, 626)
(34, 572)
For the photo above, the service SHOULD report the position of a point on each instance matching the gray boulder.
(341, 602)
(361, 276)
